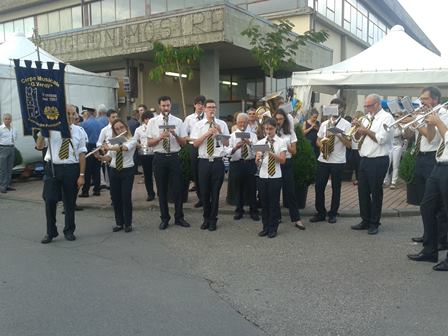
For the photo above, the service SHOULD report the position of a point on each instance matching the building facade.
(116, 37)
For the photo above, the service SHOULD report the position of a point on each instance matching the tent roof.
(396, 60)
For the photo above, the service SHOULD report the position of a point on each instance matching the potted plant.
(407, 173)
(304, 167)
(187, 176)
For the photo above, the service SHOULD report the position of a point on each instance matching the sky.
(431, 16)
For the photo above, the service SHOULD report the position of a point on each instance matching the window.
(270, 6)
(65, 16)
(76, 17)
(158, 6)
(9, 29)
(138, 8)
(122, 9)
(95, 13)
(2, 33)
(108, 11)
(53, 22)
(18, 26)
(175, 4)
(42, 24)
(28, 24)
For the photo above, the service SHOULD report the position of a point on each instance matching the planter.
(301, 194)
(413, 194)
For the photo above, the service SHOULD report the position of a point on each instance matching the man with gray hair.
(8, 136)
(374, 145)
(102, 115)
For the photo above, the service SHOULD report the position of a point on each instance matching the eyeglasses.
(371, 105)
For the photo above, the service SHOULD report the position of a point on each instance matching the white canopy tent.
(81, 87)
(397, 65)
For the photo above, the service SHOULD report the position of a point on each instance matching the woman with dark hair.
(270, 178)
(289, 195)
(121, 161)
(310, 129)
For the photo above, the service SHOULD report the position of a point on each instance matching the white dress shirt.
(425, 145)
(77, 146)
(141, 136)
(233, 141)
(339, 152)
(383, 146)
(288, 139)
(202, 127)
(128, 156)
(7, 136)
(279, 146)
(191, 120)
(105, 135)
(154, 132)
(252, 127)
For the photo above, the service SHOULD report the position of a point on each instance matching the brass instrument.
(420, 121)
(397, 122)
(351, 133)
(269, 107)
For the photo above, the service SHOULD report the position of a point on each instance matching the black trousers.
(121, 183)
(92, 173)
(353, 161)
(194, 159)
(370, 188)
(323, 172)
(168, 167)
(424, 164)
(147, 164)
(289, 192)
(244, 173)
(211, 177)
(434, 206)
(269, 191)
(63, 186)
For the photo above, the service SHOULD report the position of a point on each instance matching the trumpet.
(350, 134)
(397, 122)
(420, 121)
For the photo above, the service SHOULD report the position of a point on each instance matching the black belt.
(248, 160)
(166, 154)
(426, 153)
(214, 159)
(6, 145)
(374, 158)
(63, 164)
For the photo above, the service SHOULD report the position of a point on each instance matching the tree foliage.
(180, 60)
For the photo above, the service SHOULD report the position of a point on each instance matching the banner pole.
(51, 153)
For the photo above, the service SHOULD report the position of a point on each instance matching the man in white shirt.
(331, 162)
(105, 135)
(166, 133)
(252, 124)
(8, 136)
(189, 122)
(211, 150)
(374, 146)
(434, 204)
(67, 158)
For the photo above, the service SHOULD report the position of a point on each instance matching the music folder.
(261, 148)
(242, 135)
(168, 127)
(335, 130)
(221, 137)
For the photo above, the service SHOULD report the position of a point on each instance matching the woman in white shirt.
(121, 158)
(270, 178)
(289, 194)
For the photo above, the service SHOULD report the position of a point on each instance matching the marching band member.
(167, 165)
(211, 166)
(252, 124)
(434, 204)
(189, 122)
(398, 146)
(105, 135)
(68, 158)
(288, 184)
(8, 136)
(310, 129)
(121, 158)
(331, 162)
(146, 153)
(374, 146)
(242, 168)
(270, 178)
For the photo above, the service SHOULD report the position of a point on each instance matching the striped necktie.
(63, 151)
(361, 141)
(210, 143)
(166, 141)
(441, 149)
(119, 160)
(244, 152)
(271, 159)
(418, 144)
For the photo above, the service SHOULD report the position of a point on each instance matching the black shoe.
(204, 225)
(78, 208)
(272, 234)
(360, 226)
(434, 257)
(163, 226)
(198, 204)
(372, 230)
(10, 189)
(317, 218)
(150, 198)
(300, 225)
(263, 233)
(417, 239)
(182, 222)
(117, 228)
(96, 193)
(442, 246)
(238, 216)
(83, 195)
(332, 219)
(255, 216)
(3, 191)
(212, 227)
(48, 239)
(441, 266)
(128, 229)
(70, 236)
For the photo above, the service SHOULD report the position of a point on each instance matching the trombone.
(420, 121)
(397, 122)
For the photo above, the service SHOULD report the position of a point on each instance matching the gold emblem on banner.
(51, 112)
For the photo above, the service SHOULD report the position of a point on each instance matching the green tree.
(180, 60)
(278, 46)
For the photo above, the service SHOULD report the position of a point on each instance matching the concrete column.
(209, 75)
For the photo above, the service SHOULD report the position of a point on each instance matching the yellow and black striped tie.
(244, 152)
(63, 151)
(210, 144)
(441, 149)
(418, 144)
(271, 160)
(166, 141)
(119, 161)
